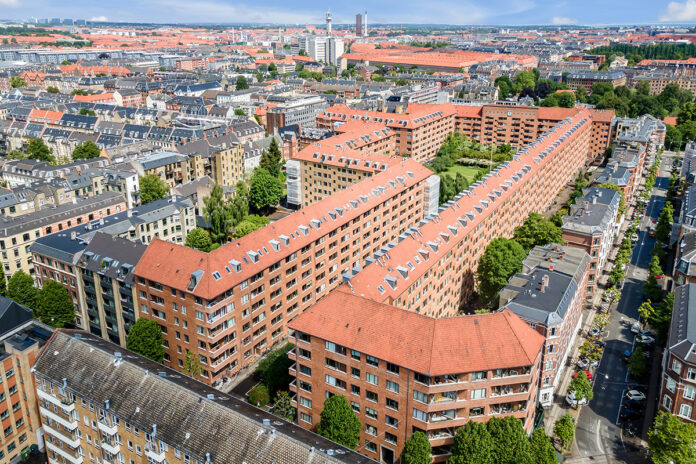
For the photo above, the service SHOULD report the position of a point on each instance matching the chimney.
(154, 429)
(129, 213)
(106, 404)
(73, 235)
(544, 283)
(594, 200)
(101, 220)
(65, 382)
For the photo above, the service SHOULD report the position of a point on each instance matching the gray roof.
(160, 159)
(190, 416)
(113, 257)
(593, 212)
(12, 315)
(682, 331)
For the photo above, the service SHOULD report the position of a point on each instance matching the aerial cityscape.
(272, 233)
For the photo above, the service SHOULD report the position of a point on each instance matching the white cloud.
(9, 3)
(99, 18)
(561, 20)
(679, 12)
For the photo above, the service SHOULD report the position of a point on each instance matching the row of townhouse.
(431, 270)
(61, 257)
(231, 305)
(100, 403)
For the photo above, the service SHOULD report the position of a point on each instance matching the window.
(307, 403)
(420, 415)
(305, 386)
(685, 411)
(392, 386)
(372, 396)
(371, 360)
(305, 370)
(676, 366)
(355, 355)
(370, 446)
(389, 438)
(419, 396)
(371, 378)
(691, 374)
(355, 406)
(334, 382)
(391, 421)
(393, 368)
(689, 392)
(371, 430)
(354, 389)
(671, 384)
(480, 375)
(335, 365)
(667, 403)
(392, 404)
(478, 394)
(305, 417)
(371, 413)
(338, 349)
(355, 372)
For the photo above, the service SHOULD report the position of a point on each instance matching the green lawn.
(467, 171)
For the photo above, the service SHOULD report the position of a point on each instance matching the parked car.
(634, 404)
(629, 414)
(649, 333)
(645, 339)
(584, 363)
(635, 327)
(571, 400)
(635, 395)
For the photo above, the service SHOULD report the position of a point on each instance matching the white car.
(635, 327)
(635, 395)
(583, 363)
(645, 339)
(571, 400)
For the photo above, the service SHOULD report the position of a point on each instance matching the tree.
(54, 305)
(37, 149)
(339, 423)
(541, 447)
(273, 370)
(16, 155)
(510, 442)
(218, 215)
(152, 188)
(199, 239)
(581, 386)
(566, 99)
(241, 83)
(636, 363)
(460, 183)
(581, 94)
(52, 89)
(502, 259)
(663, 229)
(258, 396)
(472, 444)
(79, 92)
(192, 365)
(671, 440)
(266, 190)
(564, 429)
(523, 80)
(282, 406)
(3, 285)
(654, 268)
(448, 189)
(417, 449)
(537, 230)
(17, 82)
(271, 159)
(249, 225)
(145, 338)
(239, 112)
(86, 150)
(86, 112)
(646, 311)
(239, 207)
(20, 288)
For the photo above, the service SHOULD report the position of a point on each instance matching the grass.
(467, 171)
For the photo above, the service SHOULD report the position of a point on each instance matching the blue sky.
(385, 11)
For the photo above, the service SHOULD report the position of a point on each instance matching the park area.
(469, 172)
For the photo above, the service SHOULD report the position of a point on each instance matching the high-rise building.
(328, 23)
(365, 23)
(358, 24)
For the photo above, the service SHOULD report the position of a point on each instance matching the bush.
(259, 396)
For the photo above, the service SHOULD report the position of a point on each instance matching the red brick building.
(403, 372)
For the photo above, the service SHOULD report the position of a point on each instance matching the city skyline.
(496, 12)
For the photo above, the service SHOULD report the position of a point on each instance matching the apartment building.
(172, 168)
(659, 80)
(21, 339)
(422, 373)
(521, 125)
(119, 407)
(685, 260)
(678, 386)
(220, 157)
(419, 131)
(645, 130)
(431, 269)
(232, 304)
(592, 224)
(302, 110)
(624, 169)
(58, 256)
(587, 78)
(18, 233)
(24, 172)
(549, 294)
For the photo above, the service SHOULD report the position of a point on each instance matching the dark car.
(629, 414)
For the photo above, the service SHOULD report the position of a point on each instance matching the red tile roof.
(173, 264)
(431, 346)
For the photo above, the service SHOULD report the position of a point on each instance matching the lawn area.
(467, 171)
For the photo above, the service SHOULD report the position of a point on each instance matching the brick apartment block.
(232, 304)
(403, 371)
(431, 270)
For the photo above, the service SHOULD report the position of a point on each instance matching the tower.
(328, 23)
(358, 24)
(365, 21)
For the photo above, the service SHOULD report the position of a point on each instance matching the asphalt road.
(597, 433)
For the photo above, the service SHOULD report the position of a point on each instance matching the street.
(598, 437)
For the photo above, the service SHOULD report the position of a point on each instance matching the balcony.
(65, 420)
(154, 455)
(68, 440)
(110, 446)
(70, 456)
(106, 428)
(66, 405)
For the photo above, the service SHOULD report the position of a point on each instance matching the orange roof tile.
(430, 346)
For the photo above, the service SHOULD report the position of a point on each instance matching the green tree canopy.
(282, 406)
(663, 229)
(510, 442)
(636, 363)
(152, 188)
(239, 206)
(472, 444)
(258, 396)
(17, 82)
(537, 230)
(52, 89)
(37, 149)
(249, 225)
(671, 440)
(581, 386)
(501, 260)
(218, 214)
(20, 288)
(192, 364)
(541, 447)
(266, 190)
(241, 83)
(271, 159)
(273, 369)
(417, 449)
(199, 239)
(339, 423)
(564, 429)
(523, 80)
(145, 338)
(86, 150)
(54, 305)
(86, 112)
